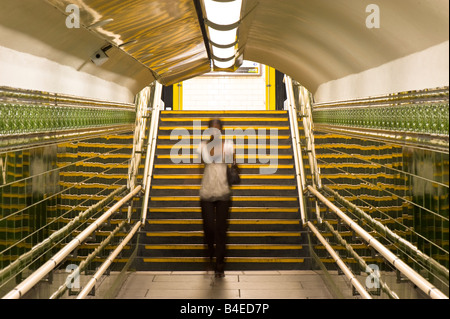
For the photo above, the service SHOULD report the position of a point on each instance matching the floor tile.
(235, 285)
(274, 294)
(193, 294)
(272, 278)
(191, 278)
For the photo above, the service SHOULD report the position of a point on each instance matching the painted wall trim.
(178, 96)
(26, 71)
(271, 96)
(422, 70)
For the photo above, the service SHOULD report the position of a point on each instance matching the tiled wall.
(225, 92)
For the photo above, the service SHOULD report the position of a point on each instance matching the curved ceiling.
(165, 36)
(313, 41)
(317, 41)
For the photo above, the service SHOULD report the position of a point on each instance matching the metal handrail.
(57, 98)
(306, 113)
(404, 269)
(304, 110)
(21, 289)
(82, 266)
(301, 186)
(297, 150)
(16, 266)
(382, 229)
(360, 261)
(87, 289)
(348, 273)
(439, 94)
(151, 149)
(146, 182)
(143, 112)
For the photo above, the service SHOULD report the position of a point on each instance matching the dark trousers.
(215, 222)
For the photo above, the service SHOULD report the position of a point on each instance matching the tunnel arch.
(325, 45)
(330, 41)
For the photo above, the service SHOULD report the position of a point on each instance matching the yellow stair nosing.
(225, 127)
(227, 259)
(200, 137)
(243, 176)
(187, 166)
(235, 187)
(226, 119)
(170, 156)
(232, 209)
(233, 198)
(231, 222)
(229, 246)
(229, 234)
(239, 147)
(200, 166)
(215, 112)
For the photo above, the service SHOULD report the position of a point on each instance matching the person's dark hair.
(215, 121)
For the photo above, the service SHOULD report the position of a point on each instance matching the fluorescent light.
(224, 65)
(223, 53)
(224, 13)
(222, 37)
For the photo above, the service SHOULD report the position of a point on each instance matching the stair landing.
(236, 285)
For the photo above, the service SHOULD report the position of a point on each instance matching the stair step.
(229, 247)
(225, 119)
(237, 147)
(233, 250)
(224, 137)
(196, 224)
(235, 187)
(233, 198)
(238, 157)
(227, 260)
(231, 222)
(232, 209)
(223, 113)
(233, 237)
(243, 176)
(229, 234)
(190, 127)
(267, 235)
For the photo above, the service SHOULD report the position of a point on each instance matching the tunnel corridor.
(343, 155)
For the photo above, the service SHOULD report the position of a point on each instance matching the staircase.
(346, 163)
(264, 227)
(104, 169)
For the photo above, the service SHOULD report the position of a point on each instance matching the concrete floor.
(235, 285)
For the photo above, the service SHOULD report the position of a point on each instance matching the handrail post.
(407, 271)
(296, 147)
(304, 102)
(151, 149)
(20, 290)
(87, 289)
(306, 110)
(142, 113)
(348, 273)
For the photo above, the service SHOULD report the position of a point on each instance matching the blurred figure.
(215, 193)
